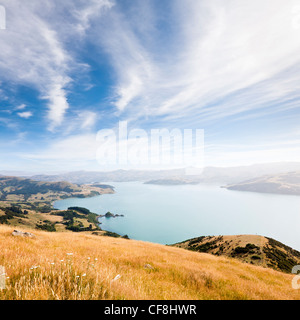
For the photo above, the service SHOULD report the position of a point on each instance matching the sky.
(71, 69)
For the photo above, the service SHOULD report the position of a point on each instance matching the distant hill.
(29, 203)
(172, 182)
(286, 183)
(257, 250)
(16, 188)
(23, 185)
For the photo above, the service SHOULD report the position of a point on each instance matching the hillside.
(28, 203)
(40, 194)
(253, 249)
(285, 183)
(81, 266)
(22, 189)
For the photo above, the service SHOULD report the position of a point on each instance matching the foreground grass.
(80, 266)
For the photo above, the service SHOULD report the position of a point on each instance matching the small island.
(111, 215)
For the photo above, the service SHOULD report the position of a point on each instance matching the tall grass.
(69, 266)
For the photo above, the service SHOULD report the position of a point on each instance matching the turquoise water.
(169, 214)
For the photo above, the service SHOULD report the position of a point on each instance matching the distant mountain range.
(281, 177)
(81, 177)
(218, 175)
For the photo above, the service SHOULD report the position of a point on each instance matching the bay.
(169, 214)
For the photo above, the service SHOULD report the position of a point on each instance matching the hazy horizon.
(284, 167)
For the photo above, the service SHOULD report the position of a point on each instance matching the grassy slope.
(33, 218)
(176, 273)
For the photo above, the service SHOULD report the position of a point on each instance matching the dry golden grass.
(81, 266)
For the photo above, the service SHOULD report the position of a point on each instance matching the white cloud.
(8, 123)
(280, 147)
(58, 103)
(87, 119)
(237, 155)
(131, 60)
(73, 152)
(25, 115)
(21, 107)
(87, 13)
(82, 121)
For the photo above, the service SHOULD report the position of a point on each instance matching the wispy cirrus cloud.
(31, 54)
(220, 51)
(21, 107)
(34, 51)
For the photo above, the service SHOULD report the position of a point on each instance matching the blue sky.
(68, 70)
